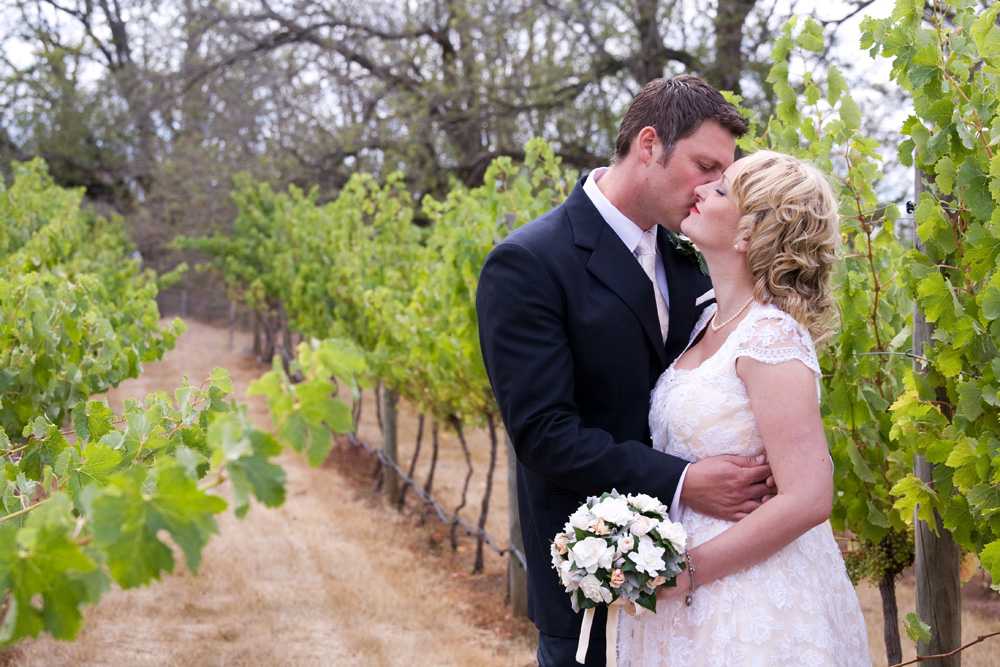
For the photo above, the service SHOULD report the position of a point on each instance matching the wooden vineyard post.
(390, 436)
(517, 578)
(937, 559)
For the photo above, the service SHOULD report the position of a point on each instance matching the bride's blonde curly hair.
(788, 215)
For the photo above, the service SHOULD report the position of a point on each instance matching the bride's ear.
(741, 245)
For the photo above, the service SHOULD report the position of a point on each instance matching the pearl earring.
(736, 247)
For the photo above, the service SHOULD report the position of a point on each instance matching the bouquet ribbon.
(610, 630)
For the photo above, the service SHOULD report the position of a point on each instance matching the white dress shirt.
(627, 231)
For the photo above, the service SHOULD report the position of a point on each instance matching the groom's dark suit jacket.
(572, 346)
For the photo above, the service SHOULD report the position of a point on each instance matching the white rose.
(566, 576)
(600, 527)
(673, 533)
(562, 539)
(557, 558)
(593, 590)
(648, 557)
(613, 510)
(641, 525)
(581, 518)
(625, 544)
(591, 553)
(644, 503)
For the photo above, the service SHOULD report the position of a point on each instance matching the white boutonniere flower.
(683, 245)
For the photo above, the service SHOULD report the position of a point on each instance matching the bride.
(770, 589)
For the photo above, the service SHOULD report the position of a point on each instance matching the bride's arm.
(784, 401)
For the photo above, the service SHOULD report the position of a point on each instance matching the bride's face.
(712, 222)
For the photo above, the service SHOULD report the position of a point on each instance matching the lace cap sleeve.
(774, 336)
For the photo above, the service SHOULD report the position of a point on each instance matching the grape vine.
(87, 496)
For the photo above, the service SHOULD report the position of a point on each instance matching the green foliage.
(863, 362)
(113, 497)
(112, 493)
(879, 410)
(948, 60)
(916, 629)
(78, 315)
(306, 413)
(357, 269)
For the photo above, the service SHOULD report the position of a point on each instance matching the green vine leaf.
(49, 577)
(129, 512)
(916, 629)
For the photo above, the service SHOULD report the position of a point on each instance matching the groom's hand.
(727, 486)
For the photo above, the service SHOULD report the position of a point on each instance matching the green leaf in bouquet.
(646, 598)
(583, 602)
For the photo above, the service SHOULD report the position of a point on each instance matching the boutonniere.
(686, 248)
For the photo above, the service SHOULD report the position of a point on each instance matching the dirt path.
(327, 579)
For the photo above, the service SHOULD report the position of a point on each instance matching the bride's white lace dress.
(798, 607)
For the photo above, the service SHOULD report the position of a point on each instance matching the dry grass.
(335, 578)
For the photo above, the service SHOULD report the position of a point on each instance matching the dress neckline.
(701, 325)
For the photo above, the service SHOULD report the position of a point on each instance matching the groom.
(572, 333)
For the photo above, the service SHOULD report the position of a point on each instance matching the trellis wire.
(428, 499)
(912, 355)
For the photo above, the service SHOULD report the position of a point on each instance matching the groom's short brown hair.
(676, 108)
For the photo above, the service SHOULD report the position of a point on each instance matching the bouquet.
(616, 548)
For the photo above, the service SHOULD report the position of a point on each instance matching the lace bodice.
(709, 410)
(795, 608)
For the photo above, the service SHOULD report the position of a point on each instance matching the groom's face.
(696, 160)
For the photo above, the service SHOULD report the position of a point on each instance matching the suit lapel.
(683, 287)
(612, 263)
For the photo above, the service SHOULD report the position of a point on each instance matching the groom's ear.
(647, 145)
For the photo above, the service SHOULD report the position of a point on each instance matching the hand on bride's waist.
(728, 486)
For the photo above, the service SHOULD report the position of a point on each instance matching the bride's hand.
(665, 593)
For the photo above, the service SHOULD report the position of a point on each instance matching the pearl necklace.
(711, 322)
